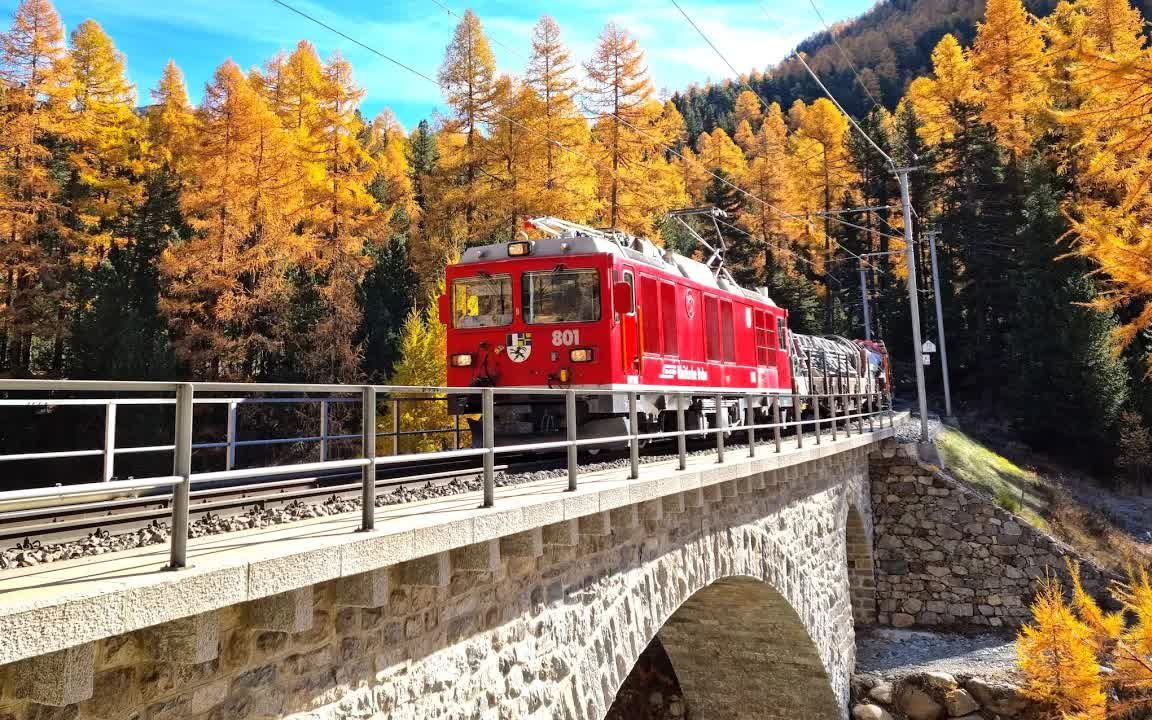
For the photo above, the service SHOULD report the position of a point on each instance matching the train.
(591, 309)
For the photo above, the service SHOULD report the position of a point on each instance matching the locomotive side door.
(630, 333)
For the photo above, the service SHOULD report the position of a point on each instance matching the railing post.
(456, 433)
(633, 440)
(776, 421)
(368, 449)
(816, 419)
(488, 420)
(872, 412)
(798, 415)
(681, 438)
(832, 409)
(182, 468)
(395, 426)
(847, 414)
(109, 441)
(324, 430)
(721, 427)
(750, 421)
(570, 431)
(230, 450)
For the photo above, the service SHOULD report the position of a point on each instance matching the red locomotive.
(592, 309)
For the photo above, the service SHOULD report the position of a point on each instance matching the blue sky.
(200, 34)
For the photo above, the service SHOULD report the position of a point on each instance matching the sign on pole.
(928, 347)
(926, 359)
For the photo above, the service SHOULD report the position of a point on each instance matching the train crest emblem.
(519, 346)
(690, 303)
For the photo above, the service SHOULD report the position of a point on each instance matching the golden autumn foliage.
(227, 290)
(1058, 658)
(632, 130)
(1009, 61)
(1062, 651)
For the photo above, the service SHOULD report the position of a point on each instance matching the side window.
(765, 340)
(650, 314)
(670, 311)
(781, 334)
(711, 328)
(729, 335)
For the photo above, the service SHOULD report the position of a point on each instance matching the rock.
(1000, 698)
(917, 704)
(938, 680)
(959, 703)
(882, 693)
(870, 712)
(902, 620)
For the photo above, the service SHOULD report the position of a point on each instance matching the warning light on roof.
(520, 248)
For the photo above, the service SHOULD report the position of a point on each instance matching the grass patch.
(1043, 504)
(1016, 489)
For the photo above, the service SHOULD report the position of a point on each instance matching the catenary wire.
(521, 125)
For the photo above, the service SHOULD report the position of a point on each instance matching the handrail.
(846, 408)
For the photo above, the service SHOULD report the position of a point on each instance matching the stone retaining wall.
(947, 555)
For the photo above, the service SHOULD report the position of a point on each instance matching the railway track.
(75, 522)
(69, 523)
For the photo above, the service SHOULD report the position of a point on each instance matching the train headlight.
(462, 360)
(580, 355)
(520, 248)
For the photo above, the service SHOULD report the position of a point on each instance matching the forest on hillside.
(273, 233)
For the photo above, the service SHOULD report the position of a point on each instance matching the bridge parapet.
(551, 595)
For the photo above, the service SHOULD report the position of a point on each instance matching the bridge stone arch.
(739, 650)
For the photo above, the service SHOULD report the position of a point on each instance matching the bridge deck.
(48, 608)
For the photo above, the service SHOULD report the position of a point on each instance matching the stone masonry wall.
(947, 555)
(542, 624)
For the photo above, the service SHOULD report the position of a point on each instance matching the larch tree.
(171, 123)
(227, 296)
(35, 75)
(517, 156)
(632, 131)
(767, 177)
(566, 185)
(1112, 216)
(103, 190)
(824, 173)
(744, 136)
(1009, 61)
(747, 109)
(344, 216)
(468, 80)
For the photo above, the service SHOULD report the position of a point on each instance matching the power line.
(843, 52)
(556, 143)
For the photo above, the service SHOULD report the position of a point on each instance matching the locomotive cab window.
(559, 296)
(781, 333)
(482, 301)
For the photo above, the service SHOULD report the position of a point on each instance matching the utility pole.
(864, 297)
(932, 235)
(913, 298)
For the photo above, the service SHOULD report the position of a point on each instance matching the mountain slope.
(890, 45)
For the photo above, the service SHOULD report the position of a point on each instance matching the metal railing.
(858, 409)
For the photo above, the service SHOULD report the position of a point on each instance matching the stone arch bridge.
(750, 572)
